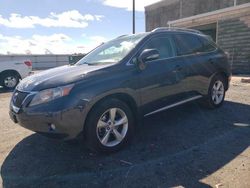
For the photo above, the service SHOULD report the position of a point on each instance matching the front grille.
(18, 98)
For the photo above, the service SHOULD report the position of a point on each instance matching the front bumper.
(64, 124)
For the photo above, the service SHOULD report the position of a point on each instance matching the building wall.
(39, 61)
(234, 37)
(158, 15)
(233, 27)
(195, 7)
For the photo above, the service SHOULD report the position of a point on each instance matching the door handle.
(211, 61)
(178, 68)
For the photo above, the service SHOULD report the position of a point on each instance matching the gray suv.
(106, 93)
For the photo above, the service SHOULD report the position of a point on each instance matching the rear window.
(190, 44)
(187, 44)
(208, 45)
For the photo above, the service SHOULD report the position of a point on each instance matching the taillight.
(28, 63)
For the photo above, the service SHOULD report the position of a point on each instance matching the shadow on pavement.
(2, 90)
(178, 147)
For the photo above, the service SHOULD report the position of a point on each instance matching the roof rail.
(159, 29)
(121, 36)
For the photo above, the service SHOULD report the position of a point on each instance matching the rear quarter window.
(208, 46)
(187, 44)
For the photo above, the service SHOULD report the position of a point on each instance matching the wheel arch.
(225, 75)
(10, 71)
(124, 97)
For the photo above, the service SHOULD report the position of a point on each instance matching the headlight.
(51, 94)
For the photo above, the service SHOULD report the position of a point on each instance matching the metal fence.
(39, 62)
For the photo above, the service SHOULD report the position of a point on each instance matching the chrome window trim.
(200, 53)
(177, 56)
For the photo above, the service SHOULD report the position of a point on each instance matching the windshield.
(112, 51)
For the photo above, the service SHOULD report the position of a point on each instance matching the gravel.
(187, 146)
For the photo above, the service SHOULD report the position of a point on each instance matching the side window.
(187, 44)
(207, 45)
(163, 45)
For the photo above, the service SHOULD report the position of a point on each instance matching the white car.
(11, 72)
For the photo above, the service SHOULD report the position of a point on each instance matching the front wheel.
(216, 92)
(110, 126)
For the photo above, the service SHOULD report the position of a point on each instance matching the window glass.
(187, 44)
(163, 45)
(207, 45)
(112, 51)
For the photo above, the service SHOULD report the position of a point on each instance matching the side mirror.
(147, 55)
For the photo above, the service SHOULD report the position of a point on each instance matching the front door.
(161, 80)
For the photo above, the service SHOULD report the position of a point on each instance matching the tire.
(102, 133)
(216, 92)
(9, 80)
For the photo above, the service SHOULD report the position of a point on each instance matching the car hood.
(57, 76)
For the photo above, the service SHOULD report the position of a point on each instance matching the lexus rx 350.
(105, 94)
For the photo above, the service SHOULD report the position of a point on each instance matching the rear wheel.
(216, 92)
(110, 126)
(9, 80)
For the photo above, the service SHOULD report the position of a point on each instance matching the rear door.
(198, 59)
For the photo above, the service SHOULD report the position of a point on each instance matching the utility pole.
(235, 2)
(133, 16)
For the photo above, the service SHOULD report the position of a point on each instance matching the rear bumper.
(26, 72)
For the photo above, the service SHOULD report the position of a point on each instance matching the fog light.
(52, 127)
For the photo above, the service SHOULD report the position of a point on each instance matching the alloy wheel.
(218, 92)
(112, 127)
(10, 81)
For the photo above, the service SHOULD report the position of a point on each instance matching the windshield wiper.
(85, 63)
(100, 63)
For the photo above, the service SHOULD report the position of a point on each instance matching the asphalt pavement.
(187, 146)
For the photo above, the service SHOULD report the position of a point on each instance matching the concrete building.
(227, 21)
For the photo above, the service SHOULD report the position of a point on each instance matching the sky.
(65, 26)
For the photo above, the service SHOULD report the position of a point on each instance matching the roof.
(211, 17)
(161, 29)
(160, 4)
